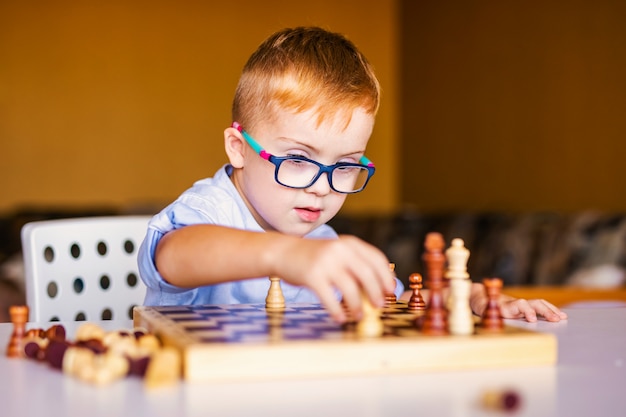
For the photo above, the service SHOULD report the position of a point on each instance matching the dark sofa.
(524, 249)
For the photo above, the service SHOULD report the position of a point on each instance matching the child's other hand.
(348, 264)
(513, 308)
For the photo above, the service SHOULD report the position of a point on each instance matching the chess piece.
(165, 368)
(460, 317)
(416, 301)
(19, 317)
(371, 324)
(457, 256)
(506, 400)
(492, 318)
(390, 298)
(275, 299)
(435, 319)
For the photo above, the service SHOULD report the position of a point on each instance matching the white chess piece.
(370, 325)
(457, 256)
(460, 317)
(275, 299)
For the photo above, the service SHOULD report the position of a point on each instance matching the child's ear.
(234, 144)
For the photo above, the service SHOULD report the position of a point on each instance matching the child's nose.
(321, 186)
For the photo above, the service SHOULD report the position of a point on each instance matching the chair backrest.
(83, 268)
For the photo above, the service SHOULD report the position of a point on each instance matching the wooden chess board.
(245, 341)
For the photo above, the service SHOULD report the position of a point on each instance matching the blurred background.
(502, 122)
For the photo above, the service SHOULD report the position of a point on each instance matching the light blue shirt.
(214, 201)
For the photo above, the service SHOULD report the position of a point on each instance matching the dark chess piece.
(417, 301)
(492, 317)
(435, 319)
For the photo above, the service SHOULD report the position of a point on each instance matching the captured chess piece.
(506, 400)
(416, 302)
(275, 299)
(19, 318)
(492, 317)
(435, 319)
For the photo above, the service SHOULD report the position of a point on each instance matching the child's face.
(289, 210)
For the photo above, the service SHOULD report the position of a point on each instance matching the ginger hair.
(301, 69)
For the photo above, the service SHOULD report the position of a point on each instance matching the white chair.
(83, 268)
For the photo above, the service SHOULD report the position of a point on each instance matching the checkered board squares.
(246, 342)
(251, 323)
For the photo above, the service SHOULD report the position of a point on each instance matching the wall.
(488, 105)
(510, 105)
(122, 103)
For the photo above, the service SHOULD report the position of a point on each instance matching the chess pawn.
(492, 318)
(460, 317)
(275, 299)
(417, 301)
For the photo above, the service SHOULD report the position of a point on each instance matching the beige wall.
(514, 105)
(124, 102)
(488, 105)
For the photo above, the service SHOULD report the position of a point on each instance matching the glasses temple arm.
(365, 161)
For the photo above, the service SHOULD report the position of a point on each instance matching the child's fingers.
(547, 310)
(376, 289)
(374, 274)
(518, 308)
(329, 301)
(530, 309)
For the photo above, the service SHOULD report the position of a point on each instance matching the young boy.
(303, 113)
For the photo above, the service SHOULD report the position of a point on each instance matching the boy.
(303, 113)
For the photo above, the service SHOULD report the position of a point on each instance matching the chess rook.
(435, 319)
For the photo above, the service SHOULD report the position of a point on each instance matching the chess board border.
(276, 358)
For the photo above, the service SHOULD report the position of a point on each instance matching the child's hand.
(348, 264)
(514, 308)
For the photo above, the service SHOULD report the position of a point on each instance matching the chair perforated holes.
(83, 268)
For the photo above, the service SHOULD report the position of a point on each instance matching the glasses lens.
(350, 178)
(296, 173)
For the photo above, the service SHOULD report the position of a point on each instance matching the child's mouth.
(308, 214)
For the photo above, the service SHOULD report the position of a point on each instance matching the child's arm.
(208, 254)
(510, 308)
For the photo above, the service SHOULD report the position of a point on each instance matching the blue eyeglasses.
(297, 171)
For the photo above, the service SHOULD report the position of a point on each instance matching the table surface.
(588, 380)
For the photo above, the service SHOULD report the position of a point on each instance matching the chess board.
(247, 342)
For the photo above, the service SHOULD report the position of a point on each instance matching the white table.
(589, 380)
